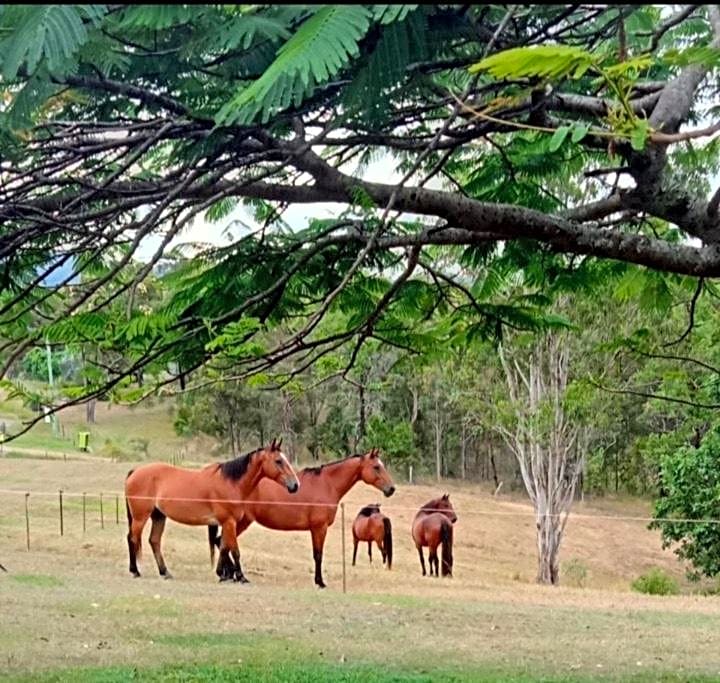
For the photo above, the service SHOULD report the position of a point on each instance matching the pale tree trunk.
(90, 411)
(286, 426)
(545, 444)
(438, 428)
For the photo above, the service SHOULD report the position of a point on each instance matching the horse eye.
(377, 468)
(278, 462)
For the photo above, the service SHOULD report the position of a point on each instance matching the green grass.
(304, 672)
(37, 580)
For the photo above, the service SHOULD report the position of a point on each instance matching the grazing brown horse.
(432, 527)
(211, 495)
(313, 508)
(372, 525)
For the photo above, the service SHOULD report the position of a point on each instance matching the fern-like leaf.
(544, 61)
(322, 45)
(49, 32)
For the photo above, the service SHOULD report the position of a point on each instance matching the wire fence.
(105, 507)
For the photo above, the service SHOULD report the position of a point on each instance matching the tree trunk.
(90, 411)
(287, 427)
(463, 449)
(549, 535)
(545, 443)
(361, 417)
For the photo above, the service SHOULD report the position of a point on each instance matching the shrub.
(574, 573)
(656, 582)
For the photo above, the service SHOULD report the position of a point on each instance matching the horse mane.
(431, 505)
(236, 468)
(369, 510)
(319, 468)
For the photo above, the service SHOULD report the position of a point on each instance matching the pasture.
(70, 603)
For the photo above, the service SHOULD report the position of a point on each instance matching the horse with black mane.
(214, 495)
(313, 509)
(372, 525)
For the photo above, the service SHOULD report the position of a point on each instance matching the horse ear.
(279, 443)
(446, 496)
(374, 453)
(273, 445)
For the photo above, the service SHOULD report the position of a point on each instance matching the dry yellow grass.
(490, 614)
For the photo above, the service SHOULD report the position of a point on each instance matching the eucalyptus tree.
(553, 135)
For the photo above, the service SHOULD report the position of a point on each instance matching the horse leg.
(422, 559)
(381, 549)
(433, 559)
(355, 545)
(226, 566)
(156, 532)
(134, 539)
(370, 551)
(318, 542)
(240, 526)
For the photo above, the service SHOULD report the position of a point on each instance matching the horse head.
(441, 505)
(275, 466)
(373, 472)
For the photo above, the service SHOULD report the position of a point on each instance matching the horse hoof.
(136, 575)
(167, 575)
(240, 579)
(321, 585)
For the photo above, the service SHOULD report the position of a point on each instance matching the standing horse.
(211, 495)
(314, 507)
(432, 527)
(372, 525)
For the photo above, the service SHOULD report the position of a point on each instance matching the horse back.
(426, 528)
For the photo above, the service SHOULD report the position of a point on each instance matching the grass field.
(71, 611)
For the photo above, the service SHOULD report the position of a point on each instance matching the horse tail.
(130, 519)
(387, 541)
(213, 540)
(446, 538)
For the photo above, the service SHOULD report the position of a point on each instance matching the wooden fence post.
(342, 521)
(27, 522)
(61, 513)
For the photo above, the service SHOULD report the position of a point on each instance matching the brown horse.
(432, 527)
(211, 495)
(372, 525)
(314, 507)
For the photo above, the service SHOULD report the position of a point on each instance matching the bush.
(574, 573)
(112, 451)
(656, 582)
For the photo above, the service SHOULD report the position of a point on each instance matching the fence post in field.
(61, 512)
(27, 522)
(410, 474)
(342, 536)
(117, 509)
(84, 495)
(102, 516)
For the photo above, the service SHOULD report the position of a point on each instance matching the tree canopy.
(542, 149)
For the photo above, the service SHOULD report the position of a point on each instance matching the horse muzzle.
(292, 486)
(389, 490)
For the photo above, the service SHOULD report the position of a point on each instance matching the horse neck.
(342, 476)
(251, 478)
(426, 511)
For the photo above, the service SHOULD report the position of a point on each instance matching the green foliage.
(43, 33)
(394, 438)
(322, 45)
(690, 490)
(656, 582)
(544, 61)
